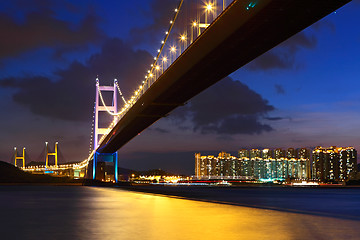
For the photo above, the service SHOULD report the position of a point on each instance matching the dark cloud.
(279, 89)
(174, 162)
(229, 107)
(160, 130)
(324, 24)
(274, 118)
(298, 41)
(283, 57)
(244, 124)
(272, 60)
(71, 97)
(67, 99)
(160, 13)
(42, 29)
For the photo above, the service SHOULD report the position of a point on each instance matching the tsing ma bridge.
(219, 39)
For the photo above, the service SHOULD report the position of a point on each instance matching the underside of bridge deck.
(234, 39)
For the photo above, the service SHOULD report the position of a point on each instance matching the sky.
(303, 93)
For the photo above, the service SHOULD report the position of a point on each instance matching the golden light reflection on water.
(119, 214)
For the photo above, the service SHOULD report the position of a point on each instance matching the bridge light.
(166, 32)
(209, 7)
(162, 42)
(173, 49)
(176, 10)
(182, 37)
(194, 24)
(171, 22)
(164, 59)
(157, 67)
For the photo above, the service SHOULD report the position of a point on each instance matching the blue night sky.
(303, 93)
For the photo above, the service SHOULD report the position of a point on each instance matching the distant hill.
(11, 174)
(34, 163)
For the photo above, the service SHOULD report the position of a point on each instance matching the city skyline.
(320, 164)
(276, 96)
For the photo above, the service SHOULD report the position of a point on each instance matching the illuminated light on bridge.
(220, 43)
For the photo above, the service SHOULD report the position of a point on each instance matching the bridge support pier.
(105, 166)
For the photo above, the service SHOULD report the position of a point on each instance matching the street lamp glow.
(164, 59)
(173, 49)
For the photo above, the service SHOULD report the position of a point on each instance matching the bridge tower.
(51, 154)
(16, 157)
(102, 108)
(100, 160)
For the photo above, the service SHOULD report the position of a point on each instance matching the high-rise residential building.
(281, 163)
(347, 163)
(245, 164)
(334, 164)
(304, 163)
(222, 166)
(257, 163)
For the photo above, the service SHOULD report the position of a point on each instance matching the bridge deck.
(234, 39)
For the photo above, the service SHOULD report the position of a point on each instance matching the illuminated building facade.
(255, 164)
(334, 163)
(222, 166)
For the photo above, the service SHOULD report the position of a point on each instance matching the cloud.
(160, 130)
(175, 162)
(284, 56)
(274, 118)
(159, 15)
(279, 89)
(229, 107)
(42, 29)
(71, 97)
(324, 24)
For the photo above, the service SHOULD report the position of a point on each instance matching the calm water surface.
(69, 212)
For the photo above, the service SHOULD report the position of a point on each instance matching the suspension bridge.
(203, 43)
